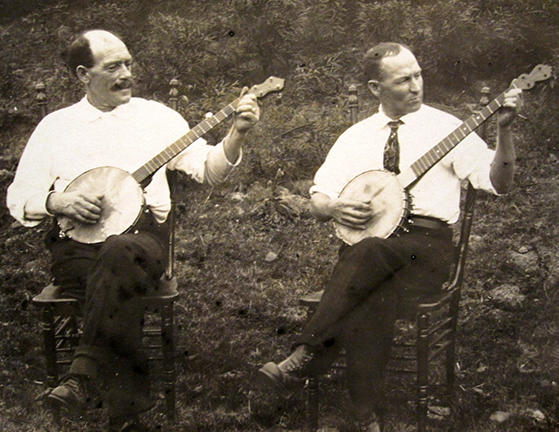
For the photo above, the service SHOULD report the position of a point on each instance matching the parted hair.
(373, 57)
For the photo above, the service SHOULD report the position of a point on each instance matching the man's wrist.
(48, 204)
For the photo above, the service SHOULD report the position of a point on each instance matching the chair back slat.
(353, 104)
(41, 98)
(457, 276)
(172, 180)
(465, 229)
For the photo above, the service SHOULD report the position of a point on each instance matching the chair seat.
(52, 293)
(413, 303)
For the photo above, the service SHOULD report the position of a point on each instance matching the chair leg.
(168, 346)
(451, 351)
(422, 370)
(312, 403)
(49, 343)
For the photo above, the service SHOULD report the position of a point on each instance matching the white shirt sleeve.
(331, 177)
(471, 159)
(33, 180)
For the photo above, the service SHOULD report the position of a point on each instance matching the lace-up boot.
(70, 395)
(289, 373)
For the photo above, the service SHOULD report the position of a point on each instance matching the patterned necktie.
(391, 159)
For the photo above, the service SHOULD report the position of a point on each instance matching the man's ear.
(82, 74)
(373, 86)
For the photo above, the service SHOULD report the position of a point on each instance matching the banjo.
(388, 192)
(123, 196)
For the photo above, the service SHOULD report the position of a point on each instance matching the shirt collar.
(405, 119)
(91, 113)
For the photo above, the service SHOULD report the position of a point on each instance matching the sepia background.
(248, 250)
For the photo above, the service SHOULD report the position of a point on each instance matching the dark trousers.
(361, 301)
(109, 279)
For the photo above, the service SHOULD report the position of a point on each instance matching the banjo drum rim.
(342, 231)
(77, 235)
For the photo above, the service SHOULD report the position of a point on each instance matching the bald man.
(109, 127)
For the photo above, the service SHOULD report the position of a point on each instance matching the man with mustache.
(109, 127)
(361, 299)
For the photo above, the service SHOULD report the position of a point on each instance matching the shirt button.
(136, 232)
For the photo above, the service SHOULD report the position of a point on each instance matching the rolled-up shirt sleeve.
(472, 160)
(26, 196)
(204, 163)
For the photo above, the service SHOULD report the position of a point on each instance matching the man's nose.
(125, 71)
(415, 85)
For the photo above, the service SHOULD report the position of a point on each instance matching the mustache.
(123, 84)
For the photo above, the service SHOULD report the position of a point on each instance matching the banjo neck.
(436, 153)
(272, 84)
(150, 167)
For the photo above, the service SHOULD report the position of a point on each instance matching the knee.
(118, 252)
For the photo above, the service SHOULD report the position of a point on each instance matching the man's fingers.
(92, 208)
(355, 219)
(95, 200)
(244, 91)
(87, 216)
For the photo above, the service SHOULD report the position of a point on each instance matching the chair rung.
(401, 370)
(403, 357)
(152, 332)
(405, 345)
(438, 350)
(442, 323)
(440, 337)
(64, 362)
(153, 346)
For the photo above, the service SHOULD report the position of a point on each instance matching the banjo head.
(123, 201)
(389, 202)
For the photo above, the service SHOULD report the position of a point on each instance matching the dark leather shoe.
(290, 373)
(70, 395)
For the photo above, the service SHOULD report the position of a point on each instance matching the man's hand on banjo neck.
(349, 212)
(83, 207)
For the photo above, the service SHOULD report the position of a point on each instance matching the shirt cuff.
(35, 209)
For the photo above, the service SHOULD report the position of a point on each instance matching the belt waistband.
(425, 222)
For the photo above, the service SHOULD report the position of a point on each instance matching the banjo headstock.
(272, 84)
(527, 81)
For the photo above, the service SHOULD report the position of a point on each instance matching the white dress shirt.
(437, 194)
(72, 140)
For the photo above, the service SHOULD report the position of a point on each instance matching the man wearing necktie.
(109, 127)
(359, 304)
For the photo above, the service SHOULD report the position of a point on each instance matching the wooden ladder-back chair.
(434, 319)
(60, 320)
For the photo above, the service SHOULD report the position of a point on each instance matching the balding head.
(101, 61)
(83, 49)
